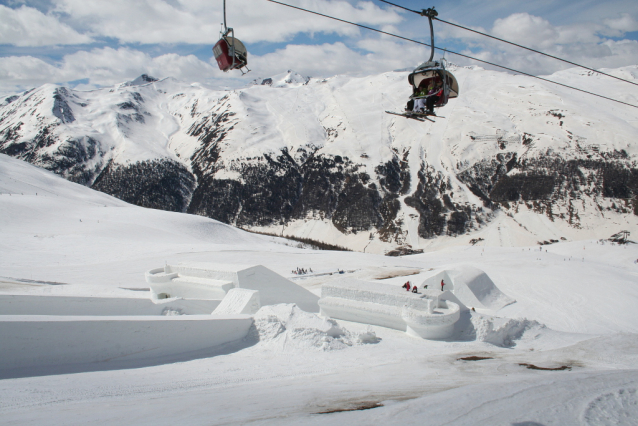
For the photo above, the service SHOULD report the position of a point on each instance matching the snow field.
(577, 313)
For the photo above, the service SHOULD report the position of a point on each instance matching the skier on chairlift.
(432, 84)
(427, 96)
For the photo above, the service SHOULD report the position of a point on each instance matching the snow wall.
(41, 344)
(186, 283)
(471, 287)
(213, 281)
(422, 315)
(63, 305)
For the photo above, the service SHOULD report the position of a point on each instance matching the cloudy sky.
(92, 43)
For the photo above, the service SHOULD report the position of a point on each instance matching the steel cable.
(456, 53)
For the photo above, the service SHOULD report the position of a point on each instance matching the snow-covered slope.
(575, 308)
(45, 223)
(320, 158)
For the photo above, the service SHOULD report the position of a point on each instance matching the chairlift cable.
(456, 53)
(514, 44)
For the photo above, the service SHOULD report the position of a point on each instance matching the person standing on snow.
(414, 290)
(406, 286)
(442, 284)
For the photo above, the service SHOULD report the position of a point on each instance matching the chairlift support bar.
(225, 27)
(431, 14)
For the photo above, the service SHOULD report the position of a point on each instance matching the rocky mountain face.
(320, 158)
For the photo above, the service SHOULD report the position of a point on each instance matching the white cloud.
(623, 52)
(20, 72)
(582, 43)
(198, 21)
(26, 26)
(110, 66)
(527, 30)
(330, 59)
(617, 27)
(101, 67)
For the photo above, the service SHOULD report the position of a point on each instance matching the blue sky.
(90, 43)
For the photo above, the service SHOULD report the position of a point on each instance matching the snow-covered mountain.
(320, 158)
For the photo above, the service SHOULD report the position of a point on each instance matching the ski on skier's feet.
(412, 115)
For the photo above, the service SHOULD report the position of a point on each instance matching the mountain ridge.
(320, 159)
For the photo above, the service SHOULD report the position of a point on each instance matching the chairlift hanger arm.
(426, 12)
(225, 27)
(431, 13)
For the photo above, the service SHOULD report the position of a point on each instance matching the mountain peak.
(289, 78)
(141, 80)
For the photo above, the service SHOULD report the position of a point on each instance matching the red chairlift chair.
(230, 53)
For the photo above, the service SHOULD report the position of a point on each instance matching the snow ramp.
(239, 301)
(470, 287)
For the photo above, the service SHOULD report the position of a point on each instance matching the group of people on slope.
(409, 286)
(427, 95)
(414, 288)
(302, 271)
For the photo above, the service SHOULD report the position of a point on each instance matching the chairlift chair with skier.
(432, 74)
(432, 84)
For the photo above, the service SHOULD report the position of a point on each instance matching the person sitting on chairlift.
(419, 97)
(434, 95)
(427, 97)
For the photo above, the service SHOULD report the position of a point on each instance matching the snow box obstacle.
(214, 281)
(469, 287)
(423, 315)
(42, 344)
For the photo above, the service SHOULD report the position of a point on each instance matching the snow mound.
(502, 332)
(285, 327)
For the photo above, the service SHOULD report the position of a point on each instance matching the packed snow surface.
(565, 353)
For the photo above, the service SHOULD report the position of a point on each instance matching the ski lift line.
(515, 44)
(458, 54)
(348, 22)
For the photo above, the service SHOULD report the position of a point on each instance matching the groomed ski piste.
(551, 341)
